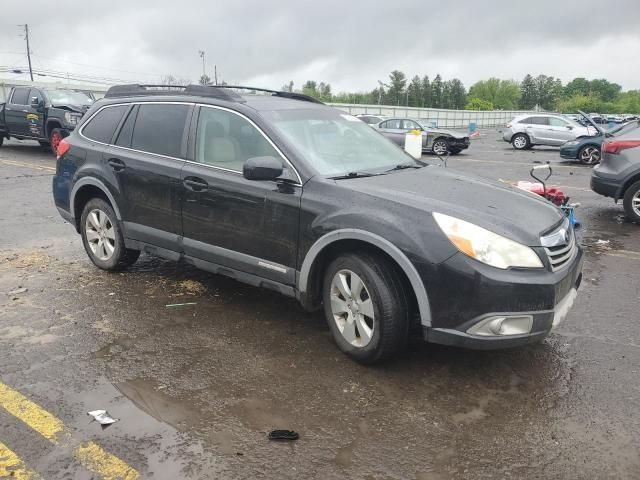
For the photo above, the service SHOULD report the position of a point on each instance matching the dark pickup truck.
(41, 113)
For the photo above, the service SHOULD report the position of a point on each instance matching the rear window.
(20, 96)
(159, 129)
(102, 127)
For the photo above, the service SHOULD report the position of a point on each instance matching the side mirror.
(262, 168)
(35, 102)
(569, 127)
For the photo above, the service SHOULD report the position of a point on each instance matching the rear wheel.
(366, 307)
(589, 155)
(520, 141)
(440, 146)
(102, 237)
(631, 202)
(54, 140)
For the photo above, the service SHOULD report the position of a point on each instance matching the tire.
(520, 141)
(1, 140)
(631, 202)
(589, 155)
(44, 144)
(440, 146)
(102, 237)
(55, 137)
(382, 331)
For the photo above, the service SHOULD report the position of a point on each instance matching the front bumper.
(470, 292)
(507, 135)
(570, 152)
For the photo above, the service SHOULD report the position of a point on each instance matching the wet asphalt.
(198, 387)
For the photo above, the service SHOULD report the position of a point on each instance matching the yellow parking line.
(96, 460)
(38, 419)
(12, 467)
(28, 165)
(90, 455)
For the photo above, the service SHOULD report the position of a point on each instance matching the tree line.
(533, 92)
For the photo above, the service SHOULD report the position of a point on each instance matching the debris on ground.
(283, 435)
(102, 417)
(17, 291)
(180, 304)
(192, 287)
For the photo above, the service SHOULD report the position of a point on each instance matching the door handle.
(116, 164)
(195, 183)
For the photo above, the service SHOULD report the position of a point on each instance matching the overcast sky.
(350, 44)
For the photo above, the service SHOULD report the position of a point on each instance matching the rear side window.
(20, 96)
(395, 124)
(159, 129)
(126, 132)
(102, 127)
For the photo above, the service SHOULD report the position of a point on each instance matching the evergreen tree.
(426, 92)
(528, 94)
(415, 92)
(436, 92)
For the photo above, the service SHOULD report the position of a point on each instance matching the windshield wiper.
(402, 166)
(354, 175)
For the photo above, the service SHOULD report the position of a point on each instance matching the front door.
(249, 226)
(560, 131)
(146, 161)
(35, 115)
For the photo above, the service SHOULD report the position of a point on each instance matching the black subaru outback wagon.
(280, 191)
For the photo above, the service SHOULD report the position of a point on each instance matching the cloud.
(349, 44)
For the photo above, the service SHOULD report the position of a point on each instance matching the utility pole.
(215, 74)
(26, 36)
(202, 53)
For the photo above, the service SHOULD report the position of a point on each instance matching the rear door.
(538, 130)
(250, 226)
(392, 129)
(146, 160)
(16, 111)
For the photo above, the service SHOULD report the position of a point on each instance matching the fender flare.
(424, 308)
(96, 183)
(48, 127)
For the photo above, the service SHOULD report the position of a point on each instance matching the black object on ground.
(283, 435)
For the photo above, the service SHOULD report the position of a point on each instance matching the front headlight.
(572, 142)
(72, 118)
(486, 246)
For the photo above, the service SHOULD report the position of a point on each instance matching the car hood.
(442, 131)
(72, 108)
(500, 208)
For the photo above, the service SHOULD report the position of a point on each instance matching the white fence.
(5, 87)
(441, 117)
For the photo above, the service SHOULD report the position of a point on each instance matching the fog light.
(503, 325)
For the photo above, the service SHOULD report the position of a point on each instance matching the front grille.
(561, 254)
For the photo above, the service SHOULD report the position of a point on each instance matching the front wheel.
(366, 307)
(631, 202)
(440, 146)
(520, 141)
(54, 140)
(589, 155)
(102, 237)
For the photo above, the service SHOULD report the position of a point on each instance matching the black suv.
(280, 191)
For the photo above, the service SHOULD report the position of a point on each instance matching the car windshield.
(425, 123)
(335, 143)
(69, 97)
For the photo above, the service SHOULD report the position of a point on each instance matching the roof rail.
(222, 92)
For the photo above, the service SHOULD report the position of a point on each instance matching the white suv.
(531, 129)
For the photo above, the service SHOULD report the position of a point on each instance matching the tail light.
(63, 147)
(616, 146)
(508, 125)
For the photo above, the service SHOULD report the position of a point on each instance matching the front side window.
(159, 128)
(227, 140)
(35, 93)
(557, 122)
(20, 96)
(392, 124)
(410, 125)
(102, 127)
(334, 143)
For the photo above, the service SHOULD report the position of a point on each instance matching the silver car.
(436, 140)
(531, 129)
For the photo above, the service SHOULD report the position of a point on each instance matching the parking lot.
(199, 368)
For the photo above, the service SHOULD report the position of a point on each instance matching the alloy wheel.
(440, 147)
(590, 155)
(635, 203)
(352, 308)
(101, 235)
(519, 142)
